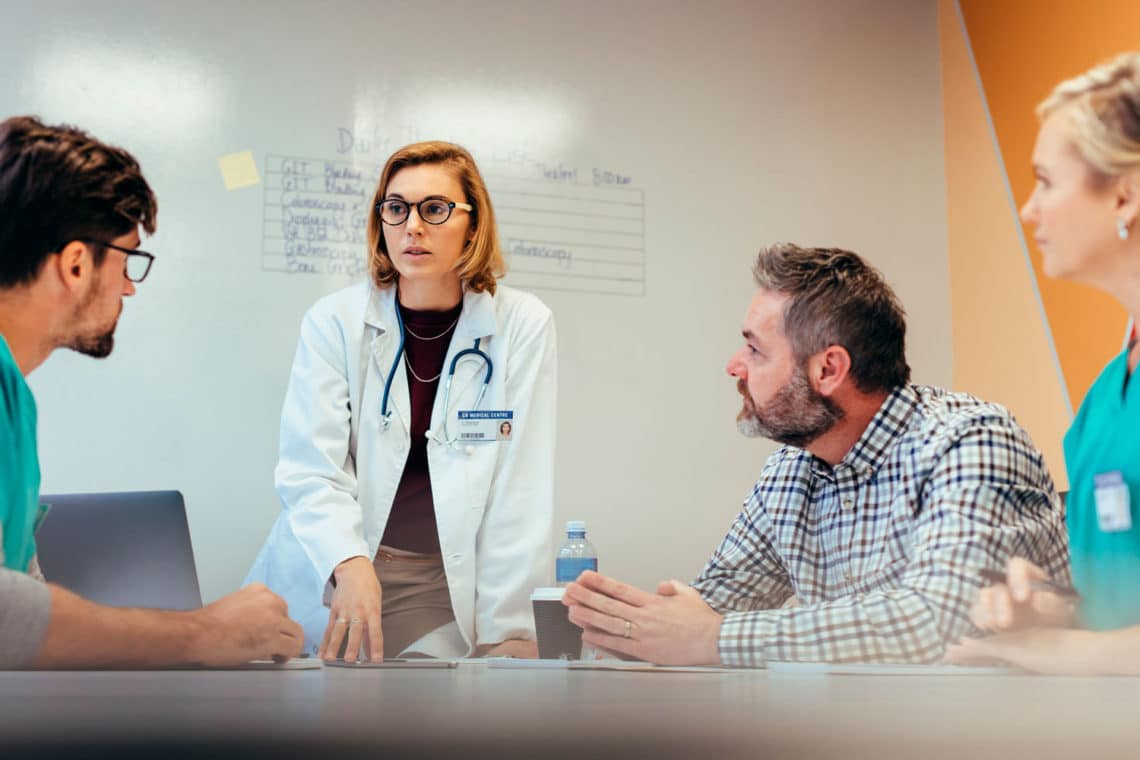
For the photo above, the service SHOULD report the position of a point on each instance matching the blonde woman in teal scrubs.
(1084, 211)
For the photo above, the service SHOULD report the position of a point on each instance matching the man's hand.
(672, 627)
(250, 624)
(1016, 604)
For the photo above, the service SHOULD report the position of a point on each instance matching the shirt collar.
(883, 431)
(874, 446)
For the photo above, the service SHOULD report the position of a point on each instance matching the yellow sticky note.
(239, 170)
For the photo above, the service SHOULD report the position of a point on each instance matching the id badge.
(1113, 502)
(491, 425)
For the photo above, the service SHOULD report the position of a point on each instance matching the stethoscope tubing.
(386, 413)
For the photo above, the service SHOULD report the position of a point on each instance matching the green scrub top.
(19, 464)
(1105, 437)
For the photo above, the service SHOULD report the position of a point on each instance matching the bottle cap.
(575, 526)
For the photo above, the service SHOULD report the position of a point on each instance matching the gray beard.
(795, 416)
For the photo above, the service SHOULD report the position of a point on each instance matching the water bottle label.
(568, 569)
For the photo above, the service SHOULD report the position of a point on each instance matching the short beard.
(99, 345)
(797, 415)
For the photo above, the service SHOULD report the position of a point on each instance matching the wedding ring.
(341, 621)
(628, 628)
(354, 621)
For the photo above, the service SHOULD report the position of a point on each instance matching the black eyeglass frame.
(451, 206)
(130, 252)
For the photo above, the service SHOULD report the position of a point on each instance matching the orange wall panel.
(1001, 345)
(1022, 48)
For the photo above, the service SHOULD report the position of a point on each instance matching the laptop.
(120, 549)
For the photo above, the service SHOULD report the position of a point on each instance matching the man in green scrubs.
(19, 465)
(70, 212)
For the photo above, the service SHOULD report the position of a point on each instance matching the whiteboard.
(639, 152)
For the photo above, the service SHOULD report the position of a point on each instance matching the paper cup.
(558, 638)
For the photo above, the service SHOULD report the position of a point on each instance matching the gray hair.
(838, 299)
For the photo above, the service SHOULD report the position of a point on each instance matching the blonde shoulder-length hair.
(481, 264)
(1102, 109)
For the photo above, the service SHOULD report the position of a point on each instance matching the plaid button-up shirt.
(883, 551)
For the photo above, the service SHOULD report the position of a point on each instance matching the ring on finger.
(628, 628)
(355, 621)
(341, 621)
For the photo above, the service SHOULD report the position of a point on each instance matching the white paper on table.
(635, 666)
(297, 663)
(873, 669)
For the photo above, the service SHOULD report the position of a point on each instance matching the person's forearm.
(896, 626)
(83, 634)
(744, 572)
(1107, 652)
(25, 609)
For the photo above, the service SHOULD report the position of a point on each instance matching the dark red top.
(411, 526)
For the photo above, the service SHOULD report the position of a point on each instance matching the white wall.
(741, 123)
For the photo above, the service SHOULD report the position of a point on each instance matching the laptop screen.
(120, 549)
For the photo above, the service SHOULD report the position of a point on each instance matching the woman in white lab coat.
(405, 511)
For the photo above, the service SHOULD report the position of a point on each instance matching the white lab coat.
(339, 469)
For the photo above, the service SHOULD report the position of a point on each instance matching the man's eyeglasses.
(138, 262)
(432, 210)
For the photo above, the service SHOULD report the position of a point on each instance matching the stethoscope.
(474, 351)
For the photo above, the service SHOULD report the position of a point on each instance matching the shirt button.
(847, 504)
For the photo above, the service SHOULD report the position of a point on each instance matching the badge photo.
(479, 426)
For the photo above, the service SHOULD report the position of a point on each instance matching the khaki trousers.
(414, 598)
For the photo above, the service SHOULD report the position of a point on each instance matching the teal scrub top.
(19, 464)
(1105, 437)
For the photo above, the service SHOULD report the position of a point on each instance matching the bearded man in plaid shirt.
(865, 537)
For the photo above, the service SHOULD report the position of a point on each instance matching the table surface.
(483, 712)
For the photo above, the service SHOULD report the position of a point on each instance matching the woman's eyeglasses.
(395, 211)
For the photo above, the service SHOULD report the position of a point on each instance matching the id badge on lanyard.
(476, 426)
(1113, 502)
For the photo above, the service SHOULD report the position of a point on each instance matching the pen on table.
(996, 576)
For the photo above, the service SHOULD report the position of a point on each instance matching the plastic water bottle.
(575, 556)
